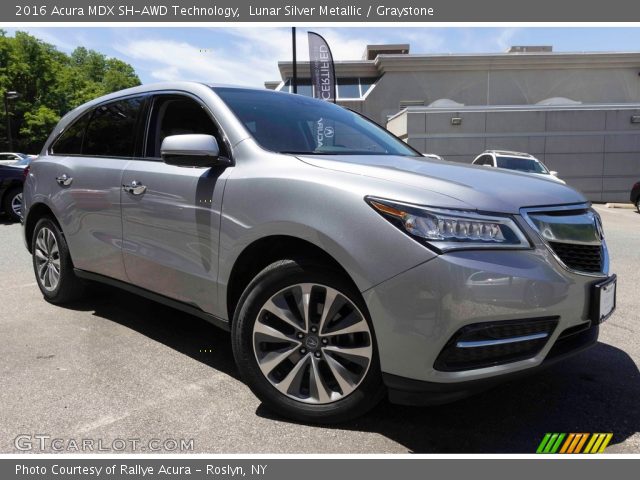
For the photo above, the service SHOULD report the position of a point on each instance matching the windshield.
(287, 123)
(530, 165)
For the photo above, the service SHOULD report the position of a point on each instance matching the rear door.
(85, 177)
(171, 224)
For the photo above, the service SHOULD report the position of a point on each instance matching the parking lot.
(117, 366)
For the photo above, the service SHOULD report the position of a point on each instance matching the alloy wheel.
(16, 205)
(47, 259)
(312, 343)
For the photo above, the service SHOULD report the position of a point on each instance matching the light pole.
(10, 95)
(294, 80)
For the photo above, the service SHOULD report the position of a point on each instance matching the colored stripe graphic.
(581, 443)
(598, 442)
(550, 443)
(574, 443)
(543, 443)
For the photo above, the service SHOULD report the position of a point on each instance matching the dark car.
(11, 180)
(635, 195)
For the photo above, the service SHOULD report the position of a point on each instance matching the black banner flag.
(323, 74)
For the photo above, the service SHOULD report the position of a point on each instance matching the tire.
(51, 259)
(13, 199)
(327, 383)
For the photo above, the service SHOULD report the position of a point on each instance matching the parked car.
(345, 264)
(520, 162)
(11, 180)
(635, 195)
(9, 158)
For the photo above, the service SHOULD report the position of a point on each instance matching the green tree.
(51, 83)
(37, 125)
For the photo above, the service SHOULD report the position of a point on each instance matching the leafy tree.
(37, 125)
(51, 83)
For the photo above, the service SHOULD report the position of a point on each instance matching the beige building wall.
(594, 149)
(586, 135)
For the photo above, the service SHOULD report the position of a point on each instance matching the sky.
(249, 55)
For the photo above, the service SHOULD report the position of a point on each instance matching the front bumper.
(405, 391)
(417, 312)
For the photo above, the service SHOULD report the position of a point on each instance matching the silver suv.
(346, 265)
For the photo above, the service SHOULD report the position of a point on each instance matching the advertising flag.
(323, 74)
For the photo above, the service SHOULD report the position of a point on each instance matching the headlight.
(446, 230)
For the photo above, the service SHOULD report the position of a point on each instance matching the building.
(578, 112)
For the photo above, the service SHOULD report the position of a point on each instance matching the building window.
(349, 88)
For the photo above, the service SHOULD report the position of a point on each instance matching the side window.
(485, 160)
(70, 142)
(112, 129)
(178, 115)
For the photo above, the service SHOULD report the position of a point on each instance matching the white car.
(10, 158)
(520, 162)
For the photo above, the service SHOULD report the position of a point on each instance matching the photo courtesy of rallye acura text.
(346, 265)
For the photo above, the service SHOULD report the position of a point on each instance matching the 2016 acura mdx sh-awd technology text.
(346, 265)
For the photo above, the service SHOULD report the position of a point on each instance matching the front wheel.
(304, 344)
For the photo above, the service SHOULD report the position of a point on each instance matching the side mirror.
(191, 150)
(554, 173)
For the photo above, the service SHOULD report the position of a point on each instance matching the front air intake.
(493, 343)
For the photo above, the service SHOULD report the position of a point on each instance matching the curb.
(629, 206)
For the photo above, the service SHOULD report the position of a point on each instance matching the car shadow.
(6, 220)
(596, 391)
(180, 331)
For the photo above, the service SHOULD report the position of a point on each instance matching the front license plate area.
(603, 299)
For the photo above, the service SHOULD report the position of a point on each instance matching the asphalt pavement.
(118, 372)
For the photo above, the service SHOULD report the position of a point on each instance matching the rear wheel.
(304, 343)
(13, 203)
(52, 264)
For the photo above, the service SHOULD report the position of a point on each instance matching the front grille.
(584, 258)
(492, 343)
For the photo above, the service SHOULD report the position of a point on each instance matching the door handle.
(135, 187)
(64, 180)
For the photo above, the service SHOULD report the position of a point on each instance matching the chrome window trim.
(524, 212)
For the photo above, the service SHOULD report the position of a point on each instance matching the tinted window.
(177, 115)
(348, 88)
(296, 124)
(485, 160)
(521, 164)
(112, 129)
(70, 142)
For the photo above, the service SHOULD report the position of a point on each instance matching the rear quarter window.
(70, 141)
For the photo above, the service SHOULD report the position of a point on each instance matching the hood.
(482, 188)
